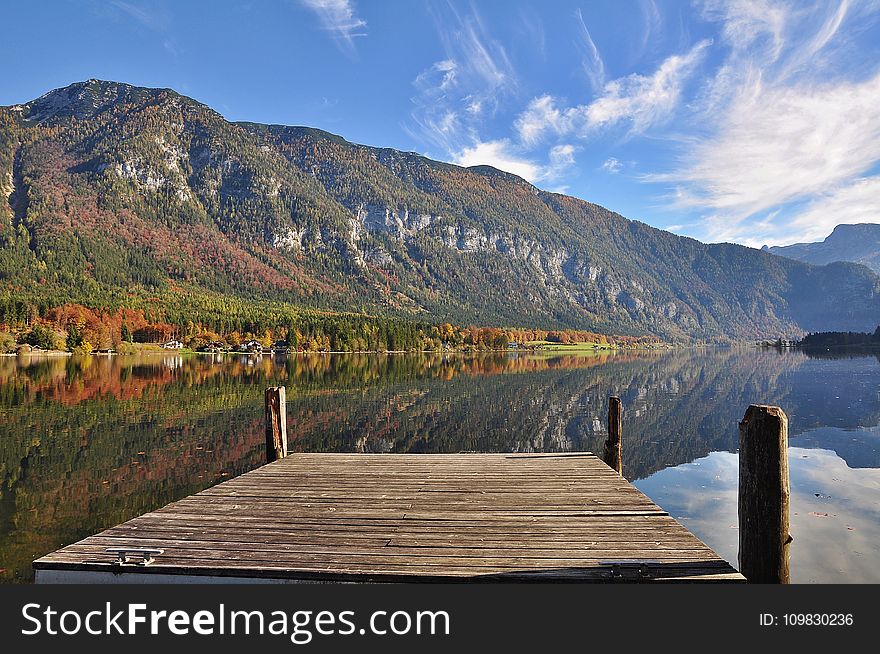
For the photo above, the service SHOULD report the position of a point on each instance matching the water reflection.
(86, 443)
(835, 512)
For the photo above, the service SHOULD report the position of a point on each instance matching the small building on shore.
(172, 345)
(254, 347)
(213, 346)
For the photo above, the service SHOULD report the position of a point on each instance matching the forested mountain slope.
(118, 192)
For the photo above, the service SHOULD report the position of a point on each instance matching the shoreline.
(561, 349)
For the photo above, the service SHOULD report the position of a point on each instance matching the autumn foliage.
(82, 329)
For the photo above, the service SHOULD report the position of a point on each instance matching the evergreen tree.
(74, 338)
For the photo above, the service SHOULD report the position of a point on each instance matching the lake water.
(88, 443)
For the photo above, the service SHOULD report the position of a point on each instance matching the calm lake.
(89, 443)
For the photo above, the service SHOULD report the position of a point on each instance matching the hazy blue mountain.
(856, 243)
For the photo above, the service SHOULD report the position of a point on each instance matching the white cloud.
(642, 100)
(612, 165)
(504, 155)
(856, 203)
(789, 126)
(459, 94)
(780, 144)
(542, 116)
(771, 41)
(474, 107)
(339, 17)
(499, 154)
(639, 101)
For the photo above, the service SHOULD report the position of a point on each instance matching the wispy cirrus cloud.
(459, 94)
(456, 95)
(156, 20)
(767, 132)
(747, 25)
(652, 21)
(149, 19)
(790, 132)
(438, 106)
(593, 65)
(340, 19)
(560, 159)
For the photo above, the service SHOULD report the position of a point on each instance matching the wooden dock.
(404, 518)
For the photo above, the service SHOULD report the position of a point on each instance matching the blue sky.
(728, 120)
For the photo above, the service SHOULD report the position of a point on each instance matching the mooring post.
(613, 446)
(764, 539)
(276, 424)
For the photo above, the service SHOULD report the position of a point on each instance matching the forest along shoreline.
(76, 329)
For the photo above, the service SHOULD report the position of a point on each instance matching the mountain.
(856, 243)
(119, 194)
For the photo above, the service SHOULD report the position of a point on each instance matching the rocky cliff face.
(157, 190)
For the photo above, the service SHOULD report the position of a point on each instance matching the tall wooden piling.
(764, 539)
(613, 447)
(276, 424)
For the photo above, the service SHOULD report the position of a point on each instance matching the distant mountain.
(855, 243)
(119, 194)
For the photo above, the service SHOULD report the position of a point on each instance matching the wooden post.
(613, 446)
(764, 539)
(276, 424)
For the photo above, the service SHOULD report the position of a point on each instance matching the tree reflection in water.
(86, 443)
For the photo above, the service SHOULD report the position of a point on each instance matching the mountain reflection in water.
(88, 443)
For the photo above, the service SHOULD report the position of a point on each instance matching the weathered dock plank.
(363, 517)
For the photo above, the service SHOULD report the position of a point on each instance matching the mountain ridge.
(856, 243)
(116, 190)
